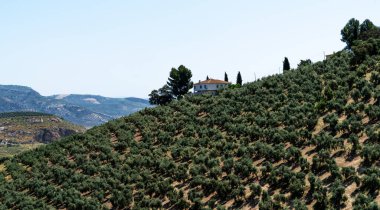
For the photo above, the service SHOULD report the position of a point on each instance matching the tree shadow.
(311, 151)
(253, 202)
(328, 180)
(339, 154)
(238, 204)
(351, 156)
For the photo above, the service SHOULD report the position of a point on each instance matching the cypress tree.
(239, 80)
(207, 78)
(225, 77)
(286, 65)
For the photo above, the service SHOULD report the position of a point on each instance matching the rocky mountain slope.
(115, 107)
(85, 110)
(22, 130)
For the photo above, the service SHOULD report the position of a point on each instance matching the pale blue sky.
(123, 48)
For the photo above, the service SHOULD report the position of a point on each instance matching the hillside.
(308, 138)
(85, 110)
(20, 131)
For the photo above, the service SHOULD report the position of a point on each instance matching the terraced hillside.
(308, 138)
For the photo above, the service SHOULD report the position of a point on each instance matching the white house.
(210, 86)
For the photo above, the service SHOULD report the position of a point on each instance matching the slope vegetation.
(308, 138)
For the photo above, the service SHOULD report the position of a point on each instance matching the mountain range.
(85, 110)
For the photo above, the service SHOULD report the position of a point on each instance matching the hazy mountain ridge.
(116, 107)
(86, 110)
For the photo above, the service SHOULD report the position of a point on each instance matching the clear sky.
(121, 48)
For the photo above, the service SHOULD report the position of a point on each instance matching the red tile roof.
(212, 81)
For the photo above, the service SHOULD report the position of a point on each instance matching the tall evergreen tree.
(286, 65)
(350, 32)
(367, 25)
(179, 81)
(353, 30)
(225, 77)
(239, 80)
(207, 78)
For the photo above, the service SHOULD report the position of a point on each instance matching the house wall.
(208, 87)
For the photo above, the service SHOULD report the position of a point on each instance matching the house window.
(205, 87)
(200, 87)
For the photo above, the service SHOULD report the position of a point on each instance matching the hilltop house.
(209, 86)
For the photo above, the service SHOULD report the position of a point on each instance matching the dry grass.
(350, 101)
(206, 199)
(250, 207)
(113, 138)
(310, 206)
(368, 76)
(137, 135)
(377, 200)
(342, 162)
(365, 120)
(349, 190)
(305, 151)
(320, 125)
(363, 138)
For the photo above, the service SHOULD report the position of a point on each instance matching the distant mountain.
(85, 110)
(116, 107)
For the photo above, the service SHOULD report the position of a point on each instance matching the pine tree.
(180, 81)
(353, 31)
(286, 65)
(207, 78)
(225, 77)
(239, 80)
(350, 32)
(367, 25)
